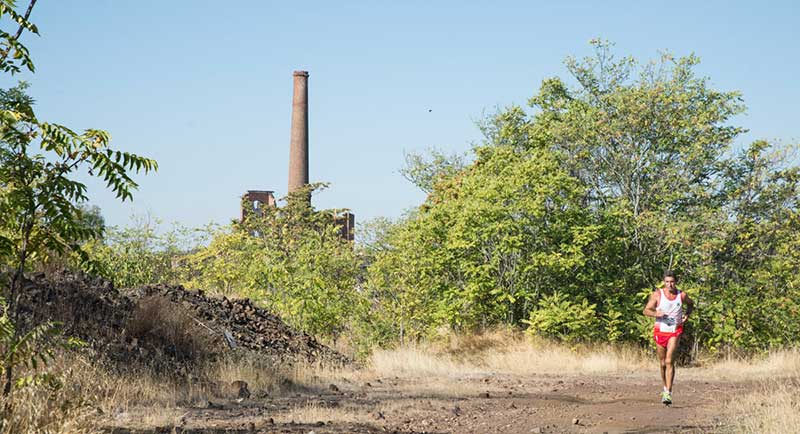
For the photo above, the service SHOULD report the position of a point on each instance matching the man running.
(666, 305)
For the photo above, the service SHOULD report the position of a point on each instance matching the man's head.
(669, 280)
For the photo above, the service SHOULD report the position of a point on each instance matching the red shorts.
(663, 338)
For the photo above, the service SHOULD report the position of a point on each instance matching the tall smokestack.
(298, 148)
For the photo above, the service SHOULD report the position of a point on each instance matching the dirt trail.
(479, 404)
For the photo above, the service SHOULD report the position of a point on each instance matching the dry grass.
(772, 409)
(311, 413)
(142, 398)
(159, 319)
(779, 364)
(773, 404)
(41, 409)
(505, 352)
(439, 370)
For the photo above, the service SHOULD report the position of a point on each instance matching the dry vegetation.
(507, 353)
(97, 396)
(772, 408)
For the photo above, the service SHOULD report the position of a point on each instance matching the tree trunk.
(13, 305)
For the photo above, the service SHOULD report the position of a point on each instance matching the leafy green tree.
(291, 259)
(646, 138)
(144, 253)
(39, 199)
(570, 211)
(229, 266)
(425, 171)
(488, 242)
(743, 265)
(561, 318)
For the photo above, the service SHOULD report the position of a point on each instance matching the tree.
(143, 253)
(290, 259)
(39, 199)
(570, 211)
(425, 171)
(647, 139)
(487, 243)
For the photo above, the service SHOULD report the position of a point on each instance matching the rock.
(483, 395)
(537, 430)
(240, 389)
(212, 406)
(137, 326)
(333, 388)
(575, 421)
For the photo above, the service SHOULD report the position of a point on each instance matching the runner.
(666, 305)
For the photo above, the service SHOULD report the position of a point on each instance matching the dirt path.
(478, 404)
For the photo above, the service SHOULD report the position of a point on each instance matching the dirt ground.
(480, 403)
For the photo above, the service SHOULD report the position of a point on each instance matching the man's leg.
(662, 358)
(669, 373)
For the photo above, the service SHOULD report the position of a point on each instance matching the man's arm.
(650, 309)
(688, 308)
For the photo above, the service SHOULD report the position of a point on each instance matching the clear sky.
(205, 87)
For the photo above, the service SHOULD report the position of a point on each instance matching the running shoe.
(666, 398)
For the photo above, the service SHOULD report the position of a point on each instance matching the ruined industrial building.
(254, 200)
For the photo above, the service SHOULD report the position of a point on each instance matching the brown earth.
(480, 404)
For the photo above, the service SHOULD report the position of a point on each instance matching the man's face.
(669, 282)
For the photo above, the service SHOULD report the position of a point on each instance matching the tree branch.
(21, 28)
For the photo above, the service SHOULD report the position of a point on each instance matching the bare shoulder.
(653, 299)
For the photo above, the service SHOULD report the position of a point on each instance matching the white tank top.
(673, 310)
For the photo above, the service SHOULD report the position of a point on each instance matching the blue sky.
(205, 87)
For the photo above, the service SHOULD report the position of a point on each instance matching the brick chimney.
(298, 145)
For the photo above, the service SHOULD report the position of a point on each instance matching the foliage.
(40, 200)
(569, 213)
(14, 56)
(559, 317)
(487, 243)
(425, 171)
(144, 253)
(26, 350)
(292, 259)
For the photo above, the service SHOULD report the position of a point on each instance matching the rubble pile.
(163, 325)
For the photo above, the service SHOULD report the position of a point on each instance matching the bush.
(558, 317)
(167, 323)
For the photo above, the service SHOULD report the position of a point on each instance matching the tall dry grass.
(776, 364)
(93, 396)
(770, 400)
(43, 409)
(771, 408)
(506, 352)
